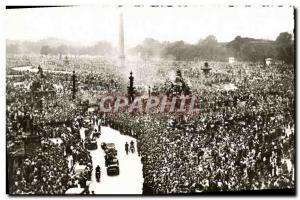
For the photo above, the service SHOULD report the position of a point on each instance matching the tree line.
(57, 47)
(101, 48)
(243, 49)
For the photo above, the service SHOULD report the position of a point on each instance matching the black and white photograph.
(150, 100)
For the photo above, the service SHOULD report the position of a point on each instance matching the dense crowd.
(38, 111)
(242, 138)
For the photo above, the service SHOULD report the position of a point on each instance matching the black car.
(110, 149)
(91, 144)
(113, 170)
(113, 167)
(110, 160)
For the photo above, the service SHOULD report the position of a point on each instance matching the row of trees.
(254, 50)
(57, 47)
(101, 48)
(208, 49)
(244, 49)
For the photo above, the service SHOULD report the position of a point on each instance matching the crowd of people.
(242, 138)
(52, 161)
(48, 165)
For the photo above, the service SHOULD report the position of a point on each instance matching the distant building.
(231, 60)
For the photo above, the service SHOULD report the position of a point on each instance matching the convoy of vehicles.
(111, 160)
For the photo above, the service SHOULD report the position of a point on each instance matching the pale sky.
(87, 24)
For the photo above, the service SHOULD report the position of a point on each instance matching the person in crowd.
(126, 148)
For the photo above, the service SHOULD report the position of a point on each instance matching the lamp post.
(74, 85)
(131, 88)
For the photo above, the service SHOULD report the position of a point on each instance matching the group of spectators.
(46, 166)
(242, 138)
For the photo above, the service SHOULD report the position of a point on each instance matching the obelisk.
(121, 42)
